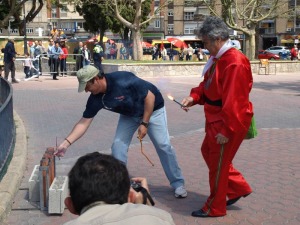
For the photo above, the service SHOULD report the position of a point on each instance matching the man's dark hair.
(98, 177)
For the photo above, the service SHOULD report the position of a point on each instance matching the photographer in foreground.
(100, 193)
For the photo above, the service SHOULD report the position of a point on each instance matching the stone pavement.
(270, 162)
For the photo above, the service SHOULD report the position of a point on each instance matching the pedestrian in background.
(164, 53)
(155, 52)
(123, 52)
(43, 54)
(9, 60)
(78, 56)
(113, 51)
(107, 49)
(86, 54)
(189, 53)
(141, 108)
(171, 53)
(294, 53)
(27, 64)
(56, 51)
(98, 55)
(51, 44)
(63, 59)
(224, 92)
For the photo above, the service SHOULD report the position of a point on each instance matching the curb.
(11, 181)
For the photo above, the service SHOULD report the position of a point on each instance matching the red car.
(267, 55)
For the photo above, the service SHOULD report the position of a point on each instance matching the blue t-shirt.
(125, 94)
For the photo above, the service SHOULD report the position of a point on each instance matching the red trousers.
(224, 179)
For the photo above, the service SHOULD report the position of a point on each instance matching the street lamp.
(11, 19)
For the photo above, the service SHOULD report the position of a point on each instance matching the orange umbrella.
(177, 42)
(146, 44)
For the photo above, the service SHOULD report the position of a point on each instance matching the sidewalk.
(270, 162)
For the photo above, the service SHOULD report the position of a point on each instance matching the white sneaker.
(180, 192)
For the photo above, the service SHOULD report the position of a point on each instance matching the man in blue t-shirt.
(141, 107)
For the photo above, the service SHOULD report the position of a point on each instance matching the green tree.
(95, 17)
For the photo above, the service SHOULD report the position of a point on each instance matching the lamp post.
(11, 19)
(25, 31)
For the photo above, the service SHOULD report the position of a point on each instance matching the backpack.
(37, 51)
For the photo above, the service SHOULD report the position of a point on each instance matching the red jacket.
(65, 55)
(230, 83)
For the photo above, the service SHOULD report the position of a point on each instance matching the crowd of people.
(183, 54)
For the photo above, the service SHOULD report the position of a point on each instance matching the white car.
(279, 50)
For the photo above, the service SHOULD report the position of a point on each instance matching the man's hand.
(139, 198)
(61, 149)
(142, 131)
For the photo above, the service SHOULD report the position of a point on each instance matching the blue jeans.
(159, 135)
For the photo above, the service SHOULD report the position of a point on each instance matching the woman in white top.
(164, 53)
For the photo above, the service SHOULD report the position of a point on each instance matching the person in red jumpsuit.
(224, 92)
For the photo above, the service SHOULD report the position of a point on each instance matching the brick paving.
(270, 162)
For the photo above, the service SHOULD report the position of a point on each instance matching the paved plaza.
(270, 162)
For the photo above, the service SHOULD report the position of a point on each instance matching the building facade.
(182, 17)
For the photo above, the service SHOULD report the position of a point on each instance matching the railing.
(7, 127)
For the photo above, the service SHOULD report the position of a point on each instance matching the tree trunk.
(252, 45)
(137, 45)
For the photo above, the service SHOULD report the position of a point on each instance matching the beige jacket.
(126, 214)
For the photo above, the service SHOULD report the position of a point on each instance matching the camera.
(138, 188)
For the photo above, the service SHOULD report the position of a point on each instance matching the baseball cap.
(84, 75)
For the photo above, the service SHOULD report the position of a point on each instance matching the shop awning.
(287, 41)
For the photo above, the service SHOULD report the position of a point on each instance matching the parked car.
(279, 50)
(267, 55)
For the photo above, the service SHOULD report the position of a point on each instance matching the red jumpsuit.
(228, 82)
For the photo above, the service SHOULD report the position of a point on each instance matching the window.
(63, 11)
(170, 12)
(203, 10)
(80, 24)
(53, 12)
(156, 11)
(29, 30)
(170, 27)
(14, 31)
(67, 25)
(157, 23)
(1, 31)
(188, 15)
(189, 28)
